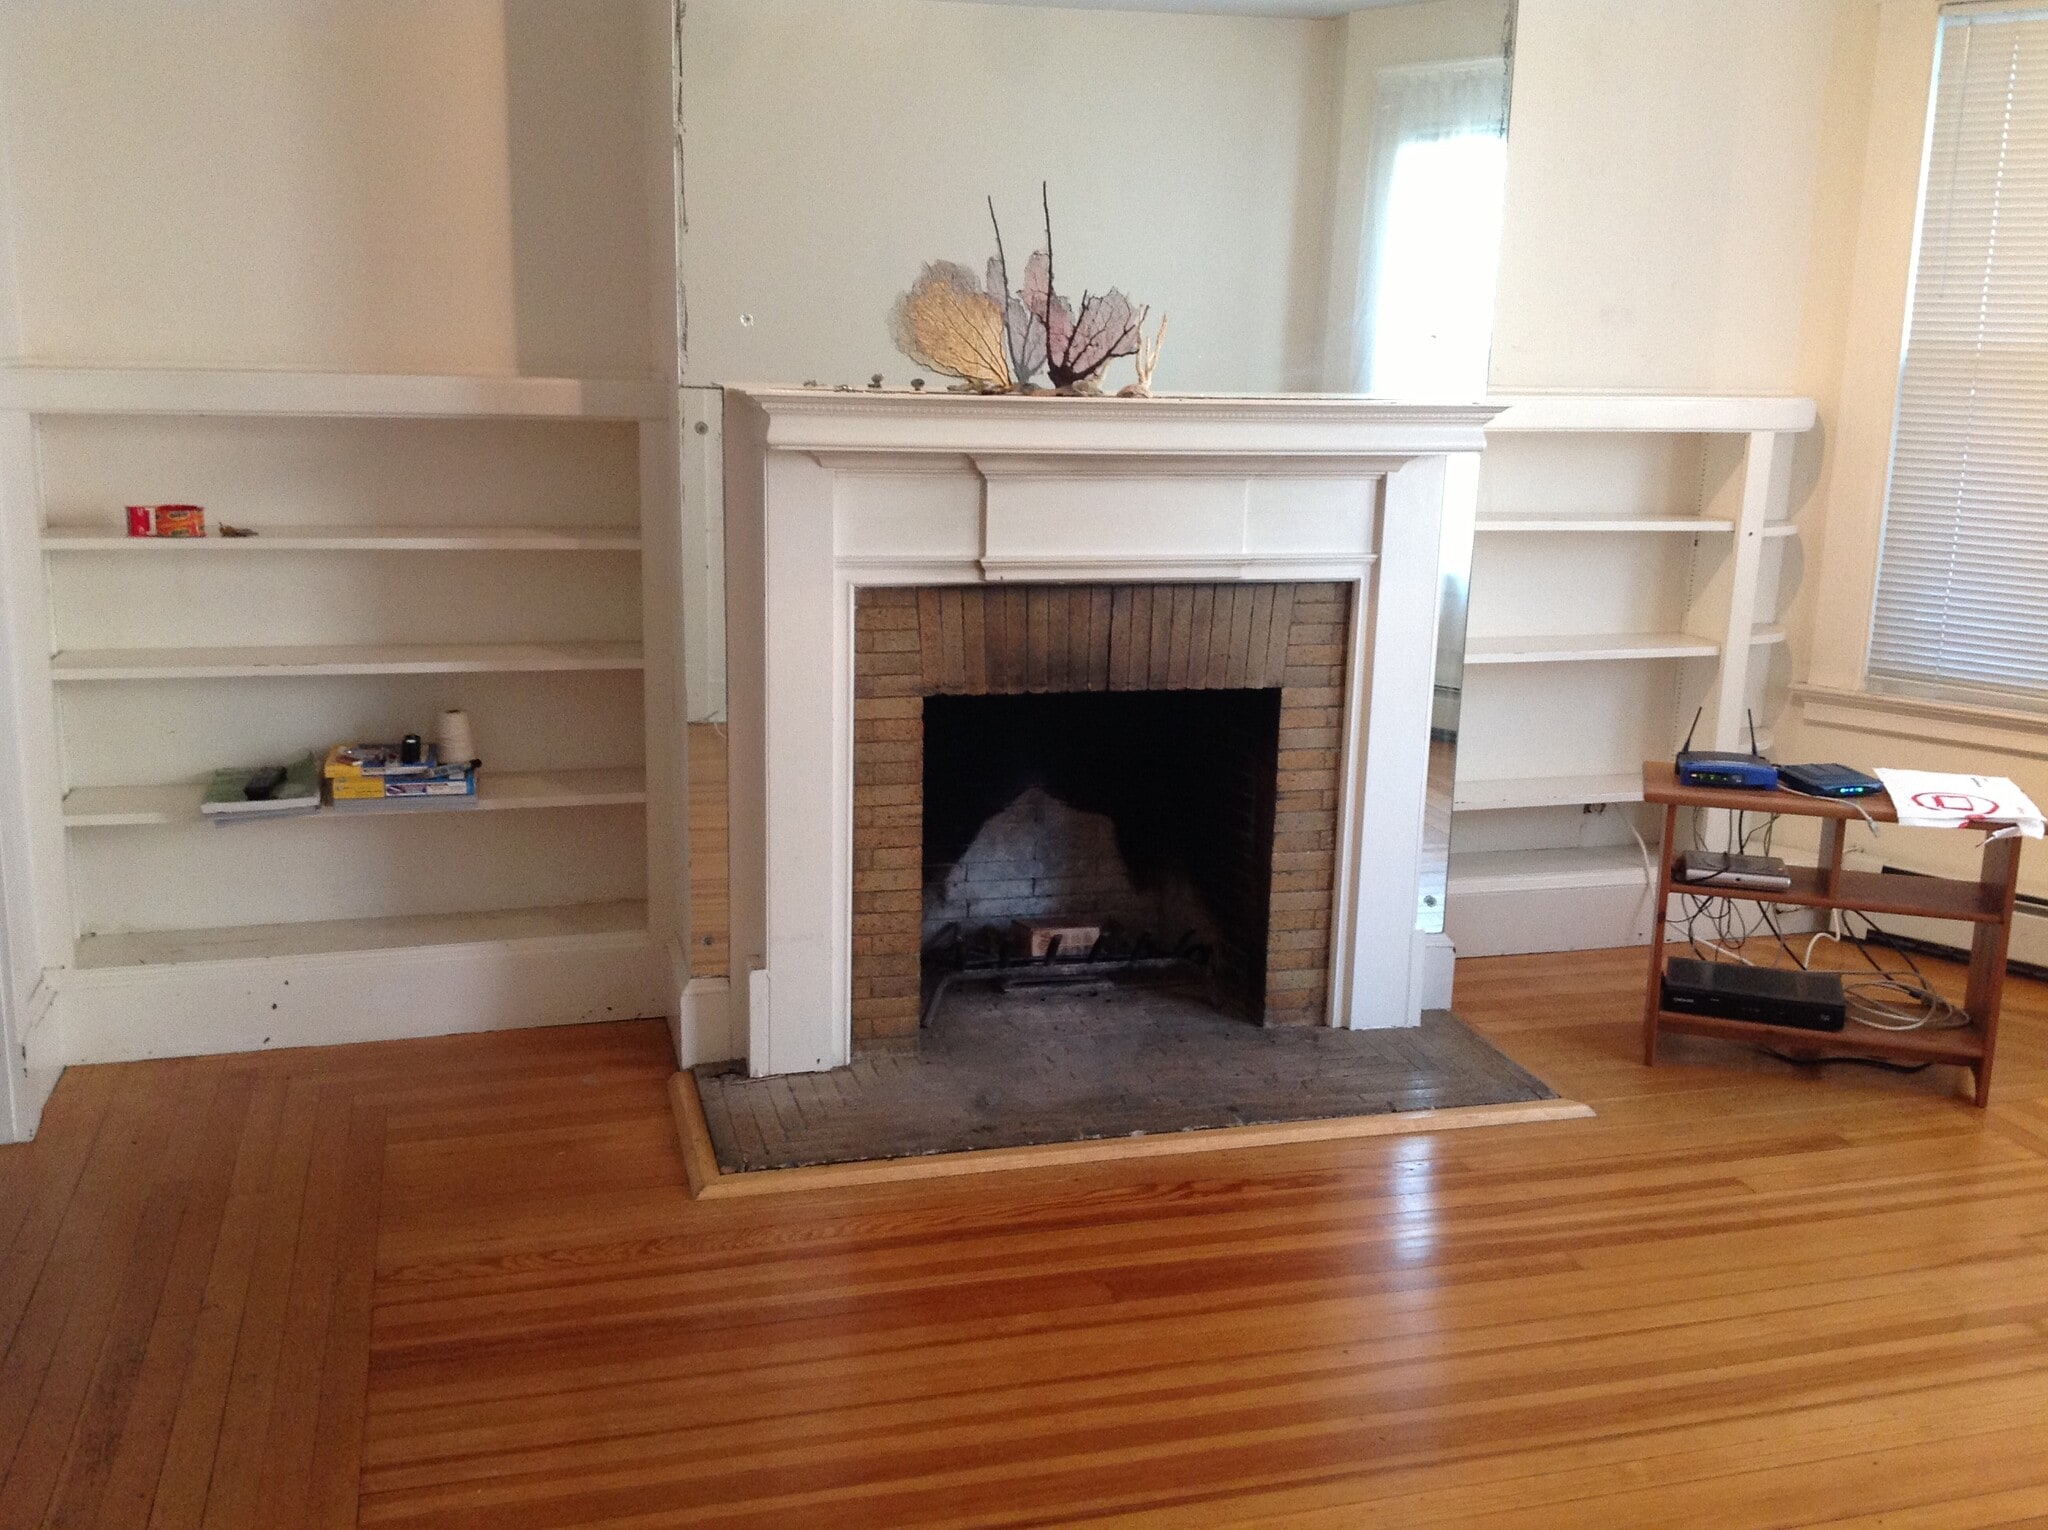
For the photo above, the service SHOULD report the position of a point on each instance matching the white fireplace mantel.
(828, 491)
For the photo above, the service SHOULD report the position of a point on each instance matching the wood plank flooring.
(460, 1283)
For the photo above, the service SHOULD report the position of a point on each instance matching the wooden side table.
(1985, 904)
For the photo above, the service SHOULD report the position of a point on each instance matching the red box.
(140, 522)
(180, 521)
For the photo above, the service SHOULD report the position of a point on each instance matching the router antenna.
(1752, 733)
(1689, 732)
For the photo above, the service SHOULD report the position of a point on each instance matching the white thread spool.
(454, 743)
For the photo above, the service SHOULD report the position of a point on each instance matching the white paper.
(1941, 799)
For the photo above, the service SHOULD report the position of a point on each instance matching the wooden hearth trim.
(1010, 639)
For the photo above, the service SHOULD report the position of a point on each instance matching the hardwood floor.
(460, 1283)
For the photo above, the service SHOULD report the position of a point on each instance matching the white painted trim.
(139, 390)
(2023, 735)
(122, 1014)
(1153, 568)
(1439, 971)
(821, 420)
(703, 1030)
(702, 552)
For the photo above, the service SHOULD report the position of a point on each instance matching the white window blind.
(1962, 592)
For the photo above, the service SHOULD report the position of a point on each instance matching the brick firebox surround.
(910, 643)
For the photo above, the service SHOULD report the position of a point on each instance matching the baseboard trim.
(709, 1182)
(129, 1014)
(703, 1029)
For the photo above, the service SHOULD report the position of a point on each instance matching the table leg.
(1653, 997)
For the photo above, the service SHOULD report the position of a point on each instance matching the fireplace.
(1163, 757)
(913, 580)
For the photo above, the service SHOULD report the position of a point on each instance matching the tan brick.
(888, 879)
(876, 664)
(877, 1011)
(886, 751)
(1319, 677)
(1322, 692)
(903, 1023)
(1287, 900)
(1293, 980)
(1298, 940)
(1297, 801)
(1322, 840)
(909, 853)
(1304, 821)
(880, 794)
(866, 685)
(1312, 717)
(879, 708)
(1300, 631)
(1306, 780)
(1290, 738)
(899, 902)
(1323, 761)
(906, 773)
(1313, 919)
(1299, 881)
(893, 640)
(888, 730)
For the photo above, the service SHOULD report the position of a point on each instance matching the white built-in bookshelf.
(488, 543)
(1628, 561)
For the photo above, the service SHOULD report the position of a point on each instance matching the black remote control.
(264, 784)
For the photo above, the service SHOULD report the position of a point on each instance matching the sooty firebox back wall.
(1186, 778)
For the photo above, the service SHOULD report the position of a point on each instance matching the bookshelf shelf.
(108, 807)
(257, 942)
(1547, 791)
(106, 664)
(1586, 648)
(275, 539)
(1684, 525)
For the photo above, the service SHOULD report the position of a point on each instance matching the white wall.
(831, 147)
(1664, 162)
(453, 186)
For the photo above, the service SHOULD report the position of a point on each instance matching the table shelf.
(1986, 904)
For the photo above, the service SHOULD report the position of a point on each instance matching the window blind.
(1962, 592)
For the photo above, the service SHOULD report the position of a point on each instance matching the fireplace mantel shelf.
(1276, 425)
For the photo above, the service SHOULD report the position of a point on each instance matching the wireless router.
(1713, 767)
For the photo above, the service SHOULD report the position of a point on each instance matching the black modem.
(1714, 767)
(1804, 1001)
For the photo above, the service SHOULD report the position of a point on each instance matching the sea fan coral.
(948, 324)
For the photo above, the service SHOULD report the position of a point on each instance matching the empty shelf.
(1687, 524)
(85, 664)
(1548, 791)
(1571, 648)
(1545, 870)
(157, 948)
(104, 807)
(354, 539)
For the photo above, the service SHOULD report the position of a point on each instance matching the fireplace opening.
(1148, 814)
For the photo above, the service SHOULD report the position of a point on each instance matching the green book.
(227, 797)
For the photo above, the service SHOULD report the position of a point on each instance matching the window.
(1962, 590)
(1433, 212)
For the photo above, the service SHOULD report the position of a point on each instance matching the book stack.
(263, 791)
(376, 775)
